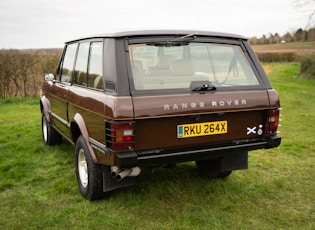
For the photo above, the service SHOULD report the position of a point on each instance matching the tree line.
(299, 35)
(22, 71)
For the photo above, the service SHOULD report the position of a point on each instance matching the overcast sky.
(49, 23)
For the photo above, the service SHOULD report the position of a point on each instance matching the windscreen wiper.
(201, 86)
(204, 88)
(181, 41)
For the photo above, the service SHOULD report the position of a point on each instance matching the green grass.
(38, 188)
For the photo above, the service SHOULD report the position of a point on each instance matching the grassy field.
(38, 188)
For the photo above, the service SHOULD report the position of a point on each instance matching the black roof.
(133, 33)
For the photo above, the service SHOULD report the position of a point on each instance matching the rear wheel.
(50, 135)
(212, 168)
(89, 174)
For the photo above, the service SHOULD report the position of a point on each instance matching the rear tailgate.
(194, 121)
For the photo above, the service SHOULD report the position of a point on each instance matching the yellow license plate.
(202, 129)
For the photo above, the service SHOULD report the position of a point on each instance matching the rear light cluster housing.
(273, 121)
(120, 135)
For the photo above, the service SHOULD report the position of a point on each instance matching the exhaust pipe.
(114, 171)
(120, 174)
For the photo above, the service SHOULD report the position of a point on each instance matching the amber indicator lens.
(120, 135)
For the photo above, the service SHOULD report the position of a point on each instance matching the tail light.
(120, 135)
(273, 121)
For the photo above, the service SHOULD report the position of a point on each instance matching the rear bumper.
(132, 159)
(273, 142)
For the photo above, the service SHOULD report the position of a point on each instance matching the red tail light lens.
(120, 135)
(273, 121)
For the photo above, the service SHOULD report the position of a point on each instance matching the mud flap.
(236, 162)
(110, 183)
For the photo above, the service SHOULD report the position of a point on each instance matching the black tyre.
(89, 174)
(211, 168)
(50, 135)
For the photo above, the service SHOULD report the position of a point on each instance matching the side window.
(95, 77)
(68, 61)
(80, 70)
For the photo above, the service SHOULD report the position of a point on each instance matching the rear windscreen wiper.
(201, 86)
(204, 88)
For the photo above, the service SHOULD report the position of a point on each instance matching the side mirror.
(49, 77)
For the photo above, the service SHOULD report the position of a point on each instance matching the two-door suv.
(135, 99)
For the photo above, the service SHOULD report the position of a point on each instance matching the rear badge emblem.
(253, 130)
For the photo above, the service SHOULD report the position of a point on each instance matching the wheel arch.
(45, 107)
(78, 127)
(75, 131)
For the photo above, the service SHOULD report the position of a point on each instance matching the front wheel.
(50, 135)
(89, 174)
(211, 168)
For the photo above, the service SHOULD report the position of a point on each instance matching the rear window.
(176, 67)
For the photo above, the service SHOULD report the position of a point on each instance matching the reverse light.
(273, 121)
(120, 135)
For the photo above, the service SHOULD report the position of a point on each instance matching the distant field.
(299, 48)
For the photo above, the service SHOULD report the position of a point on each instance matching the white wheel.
(89, 174)
(50, 135)
(82, 167)
(45, 130)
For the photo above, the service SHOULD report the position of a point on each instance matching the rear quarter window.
(82, 63)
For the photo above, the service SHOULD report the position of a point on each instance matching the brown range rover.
(137, 99)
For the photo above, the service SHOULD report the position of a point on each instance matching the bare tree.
(307, 7)
(8, 70)
(26, 65)
(300, 35)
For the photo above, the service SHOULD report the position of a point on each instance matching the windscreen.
(176, 67)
